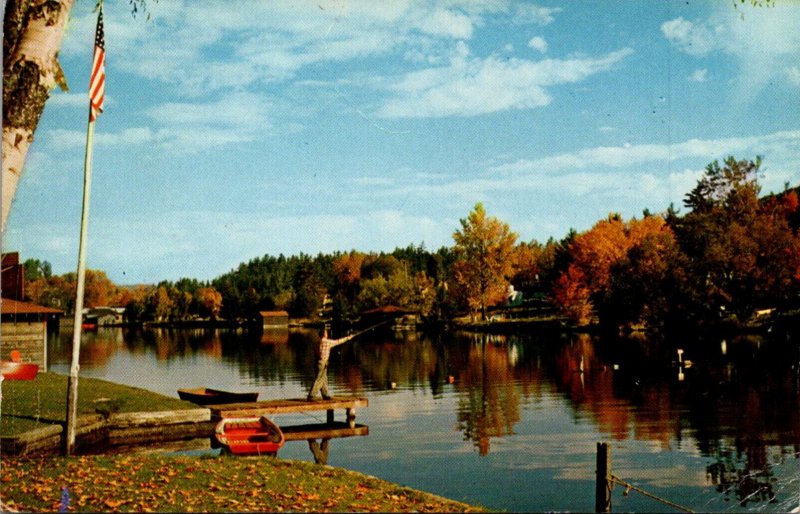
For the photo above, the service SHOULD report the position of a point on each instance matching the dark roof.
(11, 307)
(387, 309)
(273, 313)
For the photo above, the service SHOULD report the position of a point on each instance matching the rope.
(649, 495)
(314, 417)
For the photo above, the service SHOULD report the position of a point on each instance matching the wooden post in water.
(602, 502)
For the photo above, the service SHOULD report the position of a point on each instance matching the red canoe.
(19, 370)
(249, 436)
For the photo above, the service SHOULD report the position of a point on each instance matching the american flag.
(97, 84)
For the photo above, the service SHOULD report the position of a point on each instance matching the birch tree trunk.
(32, 32)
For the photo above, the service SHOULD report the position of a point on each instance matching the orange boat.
(18, 370)
(249, 436)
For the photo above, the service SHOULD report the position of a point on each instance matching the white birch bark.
(38, 45)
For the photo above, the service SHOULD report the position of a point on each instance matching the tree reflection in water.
(737, 406)
(489, 405)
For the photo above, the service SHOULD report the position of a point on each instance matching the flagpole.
(72, 389)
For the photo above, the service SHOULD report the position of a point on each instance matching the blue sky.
(237, 129)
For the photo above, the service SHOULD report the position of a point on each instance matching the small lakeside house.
(104, 316)
(274, 319)
(23, 325)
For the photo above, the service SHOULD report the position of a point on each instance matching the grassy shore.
(173, 483)
(31, 404)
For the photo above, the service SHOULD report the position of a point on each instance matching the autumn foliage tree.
(592, 253)
(59, 291)
(484, 249)
(595, 280)
(53, 291)
(527, 266)
(572, 295)
(648, 283)
(743, 253)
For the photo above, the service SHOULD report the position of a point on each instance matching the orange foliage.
(485, 255)
(572, 296)
(595, 252)
(790, 203)
(211, 300)
(99, 289)
(526, 264)
(127, 295)
(347, 268)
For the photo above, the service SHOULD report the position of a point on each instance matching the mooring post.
(602, 502)
(330, 416)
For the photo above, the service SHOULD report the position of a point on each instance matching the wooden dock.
(292, 405)
(336, 429)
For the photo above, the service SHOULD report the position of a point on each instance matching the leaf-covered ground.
(165, 483)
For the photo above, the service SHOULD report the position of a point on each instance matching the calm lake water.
(510, 422)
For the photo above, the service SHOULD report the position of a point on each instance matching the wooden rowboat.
(249, 436)
(19, 370)
(206, 396)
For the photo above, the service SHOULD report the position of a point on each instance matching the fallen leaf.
(113, 504)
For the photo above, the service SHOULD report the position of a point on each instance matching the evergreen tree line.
(730, 256)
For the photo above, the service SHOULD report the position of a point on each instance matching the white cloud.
(678, 183)
(443, 22)
(265, 42)
(71, 100)
(473, 86)
(765, 42)
(63, 139)
(538, 43)
(272, 41)
(531, 13)
(184, 127)
(128, 136)
(692, 38)
(242, 111)
(575, 189)
(699, 75)
(374, 181)
(793, 74)
(632, 175)
(629, 155)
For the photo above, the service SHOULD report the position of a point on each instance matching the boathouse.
(104, 316)
(273, 319)
(23, 325)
